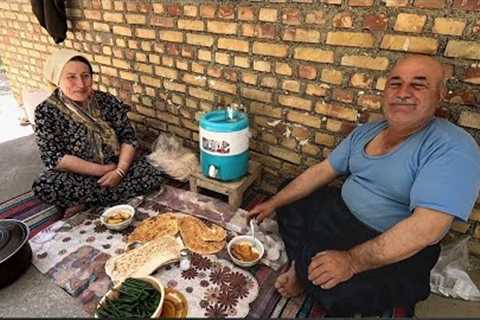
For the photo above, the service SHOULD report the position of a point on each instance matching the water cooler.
(223, 141)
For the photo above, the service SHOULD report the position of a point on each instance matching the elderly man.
(371, 247)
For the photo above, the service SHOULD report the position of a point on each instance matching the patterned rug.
(88, 283)
(27, 208)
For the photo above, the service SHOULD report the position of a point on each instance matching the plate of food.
(245, 251)
(118, 217)
(174, 305)
(141, 297)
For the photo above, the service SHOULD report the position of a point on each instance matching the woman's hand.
(110, 179)
(106, 168)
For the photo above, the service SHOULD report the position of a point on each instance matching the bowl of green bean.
(136, 297)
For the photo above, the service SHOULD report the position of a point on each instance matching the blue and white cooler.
(224, 144)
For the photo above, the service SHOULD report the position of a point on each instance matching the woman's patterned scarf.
(99, 131)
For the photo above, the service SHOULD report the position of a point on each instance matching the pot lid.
(13, 234)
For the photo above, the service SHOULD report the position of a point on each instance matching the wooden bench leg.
(193, 184)
(235, 199)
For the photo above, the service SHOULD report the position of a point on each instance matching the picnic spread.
(87, 259)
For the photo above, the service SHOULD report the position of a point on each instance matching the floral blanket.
(73, 254)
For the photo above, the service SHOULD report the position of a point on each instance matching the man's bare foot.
(70, 212)
(287, 283)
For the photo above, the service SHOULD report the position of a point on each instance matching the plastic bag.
(170, 156)
(449, 277)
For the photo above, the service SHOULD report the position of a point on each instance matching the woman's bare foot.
(287, 283)
(70, 212)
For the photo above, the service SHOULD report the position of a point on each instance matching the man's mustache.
(403, 101)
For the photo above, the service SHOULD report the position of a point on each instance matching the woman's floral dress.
(57, 135)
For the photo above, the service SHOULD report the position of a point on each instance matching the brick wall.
(307, 71)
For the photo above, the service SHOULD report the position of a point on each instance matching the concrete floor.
(39, 297)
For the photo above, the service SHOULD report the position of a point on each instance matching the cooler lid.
(218, 121)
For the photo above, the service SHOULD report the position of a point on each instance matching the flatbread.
(196, 236)
(164, 224)
(144, 260)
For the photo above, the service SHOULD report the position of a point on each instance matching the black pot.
(15, 251)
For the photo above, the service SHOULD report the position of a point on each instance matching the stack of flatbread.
(162, 225)
(200, 238)
(197, 236)
(144, 260)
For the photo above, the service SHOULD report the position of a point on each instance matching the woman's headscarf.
(53, 67)
(99, 131)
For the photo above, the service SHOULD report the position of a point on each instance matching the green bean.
(136, 298)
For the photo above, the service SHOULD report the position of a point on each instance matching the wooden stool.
(234, 190)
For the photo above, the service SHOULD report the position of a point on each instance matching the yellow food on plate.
(244, 251)
(118, 217)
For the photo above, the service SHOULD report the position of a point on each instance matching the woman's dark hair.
(82, 59)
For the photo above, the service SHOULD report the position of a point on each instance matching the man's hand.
(329, 268)
(261, 211)
(110, 179)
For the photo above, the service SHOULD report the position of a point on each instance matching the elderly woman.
(86, 141)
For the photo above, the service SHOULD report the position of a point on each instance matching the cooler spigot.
(212, 171)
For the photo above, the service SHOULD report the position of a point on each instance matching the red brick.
(291, 85)
(246, 13)
(307, 72)
(375, 22)
(472, 75)
(462, 96)
(361, 80)
(463, 49)
(166, 22)
(409, 22)
(351, 39)
(370, 102)
(343, 20)
(469, 119)
(207, 11)
(295, 102)
(172, 49)
(318, 90)
(304, 119)
(267, 15)
(430, 4)
(270, 49)
(291, 16)
(337, 2)
(266, 31)
(313, 54)
(473, 5)
(226, 12)
(343, 95)
(301, 35)
(396, 3)
(300, 133)
(360, 3)
(173, 10)
(409, 44)
(337, 111)
(230, 75)
(222, 27)
(315, 17)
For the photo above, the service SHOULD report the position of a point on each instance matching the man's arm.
(423, 228)
(314, 177)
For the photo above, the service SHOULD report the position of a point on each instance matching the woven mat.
(73, 254)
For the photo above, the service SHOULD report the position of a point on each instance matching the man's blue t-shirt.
(436, 168)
